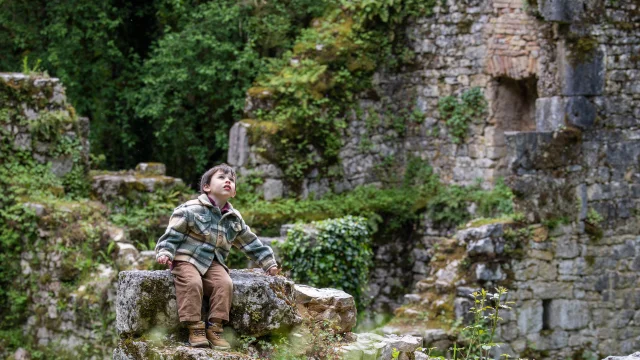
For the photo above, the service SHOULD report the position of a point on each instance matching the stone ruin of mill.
(562, 81)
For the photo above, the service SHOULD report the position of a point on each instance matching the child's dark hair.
(206, 177)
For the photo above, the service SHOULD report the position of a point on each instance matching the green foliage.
(140, 69)
(388, 209)
(27, 69)
(480, 333)
(594, 217)
(458, 114)
(147, 215)
(335, 253)
(315, 86)
(448, 208)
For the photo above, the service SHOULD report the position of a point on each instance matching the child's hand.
(273, 271)
(164, 260)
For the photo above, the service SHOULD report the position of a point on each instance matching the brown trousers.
(190, 286)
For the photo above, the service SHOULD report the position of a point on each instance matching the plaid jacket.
(198, 233)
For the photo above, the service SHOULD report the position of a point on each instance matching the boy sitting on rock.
(195, 246)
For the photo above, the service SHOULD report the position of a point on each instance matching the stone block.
(565, 11)
(580, 112)
(62, 165)
(585, 78)
(272, 189)
(550, 113)
(332, 305)
(151, 168)
(529, 317)
(461, 308)
(489, 272)
(238, 144)
(481, 232)
(481, 247)
(261, 304)
(568, 314)
(551, 290)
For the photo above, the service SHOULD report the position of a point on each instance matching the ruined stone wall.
(494, 46)
(578, 289)
(41, 107)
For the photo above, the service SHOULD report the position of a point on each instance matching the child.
(195, 246)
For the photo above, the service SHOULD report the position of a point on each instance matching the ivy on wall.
(332, 253)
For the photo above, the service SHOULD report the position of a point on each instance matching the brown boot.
(197, 336)
(214, 334)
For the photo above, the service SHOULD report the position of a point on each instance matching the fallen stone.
(146, 300)
(633, 356)
(135, 350)
(412, 298)
(261, 304)
(373, 346)
(127, 255)
(432, 335)
(332, 305)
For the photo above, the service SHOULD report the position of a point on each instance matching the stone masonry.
(562, 125)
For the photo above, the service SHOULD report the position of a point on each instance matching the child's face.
(222, 186)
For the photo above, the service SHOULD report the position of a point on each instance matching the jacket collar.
(204, 200)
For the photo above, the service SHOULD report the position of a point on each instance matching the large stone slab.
(585, 78)
(335, 306)
(261, 304)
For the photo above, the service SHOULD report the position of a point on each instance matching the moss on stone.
(582, 49)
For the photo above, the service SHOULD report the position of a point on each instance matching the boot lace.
(215, 334)
(199, 332)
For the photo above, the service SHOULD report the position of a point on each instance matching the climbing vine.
(336, 253)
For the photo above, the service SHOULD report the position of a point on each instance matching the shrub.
(331, 253)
